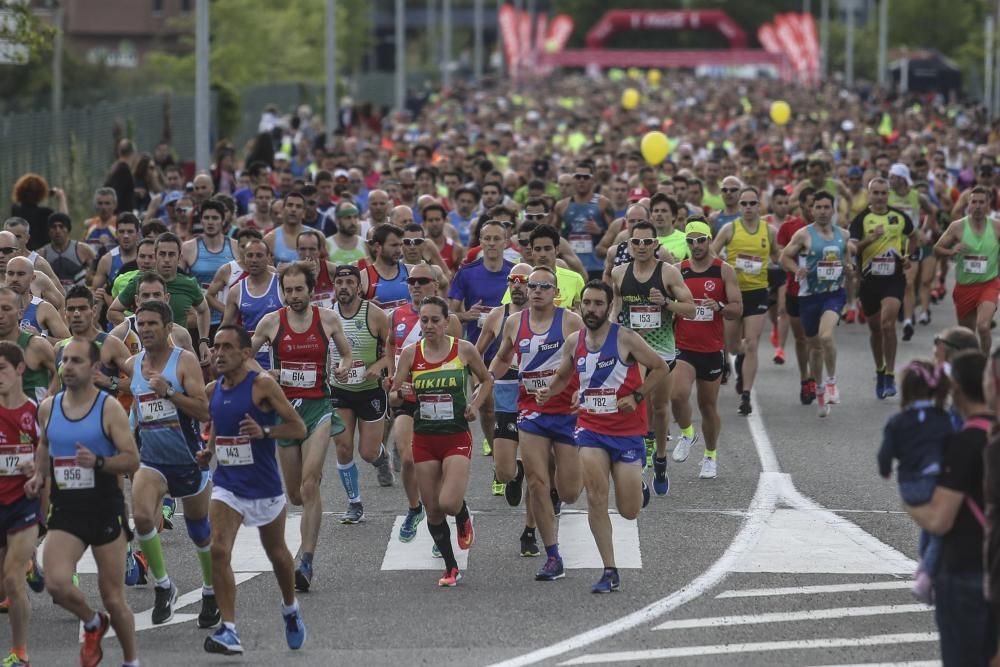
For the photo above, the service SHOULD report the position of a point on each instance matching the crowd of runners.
(501, 256)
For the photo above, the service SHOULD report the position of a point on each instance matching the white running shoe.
(822, 407)
(683, 448)
(708, 468)
(832, 395)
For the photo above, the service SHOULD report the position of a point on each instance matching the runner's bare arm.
(116, 426)
(378, 324)
(609, 238)
(402, 374)
(50, 319)
(640, 351)
(192, 402)
(116, 312)
(231, 314)
(796, 246)
(215, 287)
(182, 338)
(722, 238)
(454, 326)
(616, 282)
(267, 395)
(42, 351)
(682, 304)
(189, 253)
(331, 322)
(946, 245)
(734, 297)
(33, 487)
(266, 329)
(489, 333)
(474, 362)
(569, 256)
(505, 355)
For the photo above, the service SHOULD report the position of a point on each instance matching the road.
(798, 554)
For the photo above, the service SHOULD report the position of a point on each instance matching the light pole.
(477, 42)
(331, 68)
(202, 94)
(446, 43)
(883, 41)
(400, 55)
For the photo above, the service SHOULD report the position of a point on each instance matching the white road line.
(792, 616)
(912, 663)
(576, 542)
(761, 440)
(814, 590)
(753, 647)
(416, 555)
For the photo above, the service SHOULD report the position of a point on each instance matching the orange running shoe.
(91, 651)
(774, 337)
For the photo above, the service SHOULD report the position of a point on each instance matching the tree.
(29, 36)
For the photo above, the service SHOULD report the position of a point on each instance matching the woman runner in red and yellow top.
(436, 370)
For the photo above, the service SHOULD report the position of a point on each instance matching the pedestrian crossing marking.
(416, 555)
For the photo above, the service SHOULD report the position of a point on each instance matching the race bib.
(975, 264)
(702, 312)
(533, 381)
(298, 375)
(152, 408)
(582, 244)
(357, 373)
(323, 299)
(437, 407)
(12, 456)
(70, 476)
(883, 265)
(600, 401)
(829, 271)
(645, 317)
(234, 450)
(749, 264)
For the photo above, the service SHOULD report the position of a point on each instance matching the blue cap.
(855, 172)
(172, 196)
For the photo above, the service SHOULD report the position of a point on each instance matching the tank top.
(538, 358)
(366, 349)
(582, 242)
(824, 263)
(748, 254)
(207, 264)
(340, 256)
(723, 218)
(979, 263)
(676, 244)
(76, 488)
(282, 253)
(505, 389)
(703, 332)
(35, 381)
(247, 468)
(116, 264)
(388, 293)
(66, 264)
(254, 308)
(301, 358)
(166, 435)
(406, 328)
(30, 316)
(323, 294)
(654, 323)
(132, 340)
(440, 388)
(604, 378)
(18, 441)
(448, 254)
(908, 204)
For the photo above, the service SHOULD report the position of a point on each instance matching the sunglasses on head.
(540, 286)
(729, 190)
(413, 242)
(419, 280)
(643, 242)
(692, 240)
(517, 279)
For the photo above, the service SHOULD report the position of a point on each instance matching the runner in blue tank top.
(84, 446)
(730, 189)
(384, 280)
(247, 485)
(585, 217)
(206, 254)
(257, 295)
(282, 240)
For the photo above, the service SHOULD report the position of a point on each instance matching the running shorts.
(20, 515)
(256, 512)
(314, 411)
(968, 297)
(812, 307)
(438, 446)
(406, 409)
(621, 448)
(557, 428)
(707, 365)
(874, 290)
(94, 526)
(505, 426)
(755, 302)
(368, 405)
(791, 304)
(182, 480)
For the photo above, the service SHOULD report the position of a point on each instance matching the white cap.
(281, 156)
(901, 170)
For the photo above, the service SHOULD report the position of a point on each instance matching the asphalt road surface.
(797, 554)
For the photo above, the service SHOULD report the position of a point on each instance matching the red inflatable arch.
(619, 20)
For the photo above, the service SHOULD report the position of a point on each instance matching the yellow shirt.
(748, 254)
(570, 286)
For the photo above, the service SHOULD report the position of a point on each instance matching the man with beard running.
(384, 281)
(607, 358)
(299, 336)
(585, 217)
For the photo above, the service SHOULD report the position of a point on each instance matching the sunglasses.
(540, 286)
(534, 216)
(945, 342)
(8, 250)
(524, 243)
(697, 240)
(517, 279)
(643, 242)
(729, 190)
(507, 224)
(414, 242)
(419, 281)
(582, 177)
(748, 204)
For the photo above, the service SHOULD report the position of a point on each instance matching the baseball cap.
(901, 170)
(635, 194)
(345, 270)
(698, 228)
(172, 196)
(855, 172)
(341, 173)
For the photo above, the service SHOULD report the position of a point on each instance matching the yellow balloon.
(634, 73)
(654, 76)
(781, 113)
(654, 146)
(630, 98)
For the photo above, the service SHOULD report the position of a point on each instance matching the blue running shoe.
(295, 629)
(879, 385)
(36, 578)
(435, 552)
(131, 568)
(890, 386)
(609, 582)
(661, 483)
(303, 576)
(225, 640)
(552, 570)
(409, 528)
(645, 494)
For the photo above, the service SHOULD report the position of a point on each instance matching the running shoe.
(435, 552)
(880, 384)
(804, 396)
(487, 448)
(738, 365)
(384, 472)
(529, 545)
(851, 315)
(683, 448)
(498, 487)
(209, 616)
(890, 385)
(907, 330)
(832, 393)
(514, 489)
(556, 502)
(822, 409)
(552, 570)
(295, 629)
(225, 640)
(409, 528)
(779, 356)
(131, 568)
(774, 337)
(726, 370)
(708, 468)
(355, 514)
(35, 576)
(645, 493)
(466, 533)
(745, 408)
(140, 558)
(169, 505)
(661, 483)
(14, 660)
(163, 605)
(925, 317)
(450, 578)
(609, 582)
(90, 650)
(303, 576)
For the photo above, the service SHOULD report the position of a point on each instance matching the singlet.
(462, 225)
(66, 264)
(366, 349)
(350, 256)
(30, 316)
(74, 488)
(98, 237)
(440, 388)
(505, 389)
(166, 435)
(676, 244)
(604, 378)
(582, 242)
(254, 308)
(388, 293)
(247, 468)
(654, 323)
(978, 264)
(713, 201)
(910, 205)
(722, 219)
(704, 331)
(323, 294)
(301, 358)
(748, 254)
(448, 254)
(208, 263)
(824, 262)
(35, 381)
(131, 340)
(282, 253)
(538, 358)
(18, 441)
(883, 258)
(406, 331)
(116, 264)
(236, 274)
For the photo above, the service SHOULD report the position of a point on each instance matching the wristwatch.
(170, 391)
(637, 395)
(206, 341)
(267, 431)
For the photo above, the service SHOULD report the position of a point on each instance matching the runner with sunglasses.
(544, 242)
(536, 213)
(585, 217)
(749, 245)
(649, 293)
(416, 247)
(730, 190)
